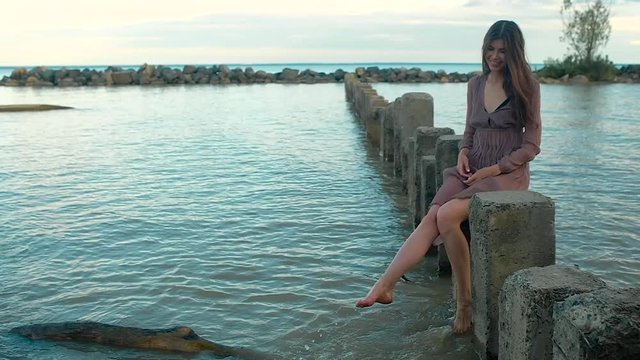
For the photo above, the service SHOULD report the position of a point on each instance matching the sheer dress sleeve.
(469, 131)
(531, 141)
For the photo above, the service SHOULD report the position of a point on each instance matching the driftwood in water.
(180, 338)
(31, 107)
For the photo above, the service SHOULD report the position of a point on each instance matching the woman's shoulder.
(476, 78)
(474, 82)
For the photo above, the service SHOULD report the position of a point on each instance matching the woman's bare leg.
(411, 252)
(449, 218)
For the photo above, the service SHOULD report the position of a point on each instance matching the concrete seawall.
(524, 306)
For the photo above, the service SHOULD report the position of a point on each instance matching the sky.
(132, 32)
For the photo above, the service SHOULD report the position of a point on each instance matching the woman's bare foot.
(379, 293)
(462, 322)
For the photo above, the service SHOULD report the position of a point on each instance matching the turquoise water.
(257, 215)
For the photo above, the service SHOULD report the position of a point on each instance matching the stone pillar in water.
(426, 138)
(510, 231)
(526, 308)
(602, 324)
(427, 187)
(372, 124)
(447, 148)
(413, 110)
(386, 133)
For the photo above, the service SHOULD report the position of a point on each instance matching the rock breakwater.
(215, 75)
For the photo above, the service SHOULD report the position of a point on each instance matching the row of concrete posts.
(524, 306)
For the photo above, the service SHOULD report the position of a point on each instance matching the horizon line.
(274, 64)
(265, 63)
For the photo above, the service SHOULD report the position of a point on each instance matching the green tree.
(586, 28)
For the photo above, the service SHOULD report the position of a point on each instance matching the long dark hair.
(518, 79)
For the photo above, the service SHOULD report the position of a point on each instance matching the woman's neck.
(496, 77)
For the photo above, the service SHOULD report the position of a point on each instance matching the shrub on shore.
(598, 69)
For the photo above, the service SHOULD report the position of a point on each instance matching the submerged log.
(31, 107)
(179, 338)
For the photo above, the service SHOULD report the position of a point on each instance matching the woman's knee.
(450, 171)
(451, 215)
(430, 218)
(444, 220)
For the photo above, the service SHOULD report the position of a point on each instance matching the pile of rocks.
(629, 74)
(215, 75)
(626, 74)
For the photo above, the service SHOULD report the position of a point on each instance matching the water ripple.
(258, 222)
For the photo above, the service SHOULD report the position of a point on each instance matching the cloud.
(62, 30)
(509, 3)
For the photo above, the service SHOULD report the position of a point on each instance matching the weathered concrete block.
(510, 231)
(602, 324)
(398, 152)
(526, 308)
(408, 183)
(358, 99)
(447, 149)
(386, 134)
(427, 138)
(425, 144)
(358, 93)
(416, 109)
(375, 107)
(413, 110)
(427, 187)
(350, 82)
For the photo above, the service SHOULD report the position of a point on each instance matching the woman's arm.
(531, 143)
(467, 141)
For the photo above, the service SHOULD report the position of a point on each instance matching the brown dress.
(493, 138)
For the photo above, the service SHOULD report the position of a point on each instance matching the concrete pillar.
(510, 231)
(526, 308)
(427, 188)
(407, 164)
(349, 84)
(362, 102)
(446, 156)
(426, 138)
(375, 105)
(447, 149)
(398, 152)
(386, 134)
(602, 324)
(413, 110)
(358, 98)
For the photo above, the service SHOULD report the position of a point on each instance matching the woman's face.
(495, 55)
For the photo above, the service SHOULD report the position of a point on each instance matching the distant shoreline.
(147, 74)
(218, 75)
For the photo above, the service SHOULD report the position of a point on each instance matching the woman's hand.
(483, 173)
(463, 163)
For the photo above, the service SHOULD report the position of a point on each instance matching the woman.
(501, 136)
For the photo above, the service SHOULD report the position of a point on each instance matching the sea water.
(258, 214)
